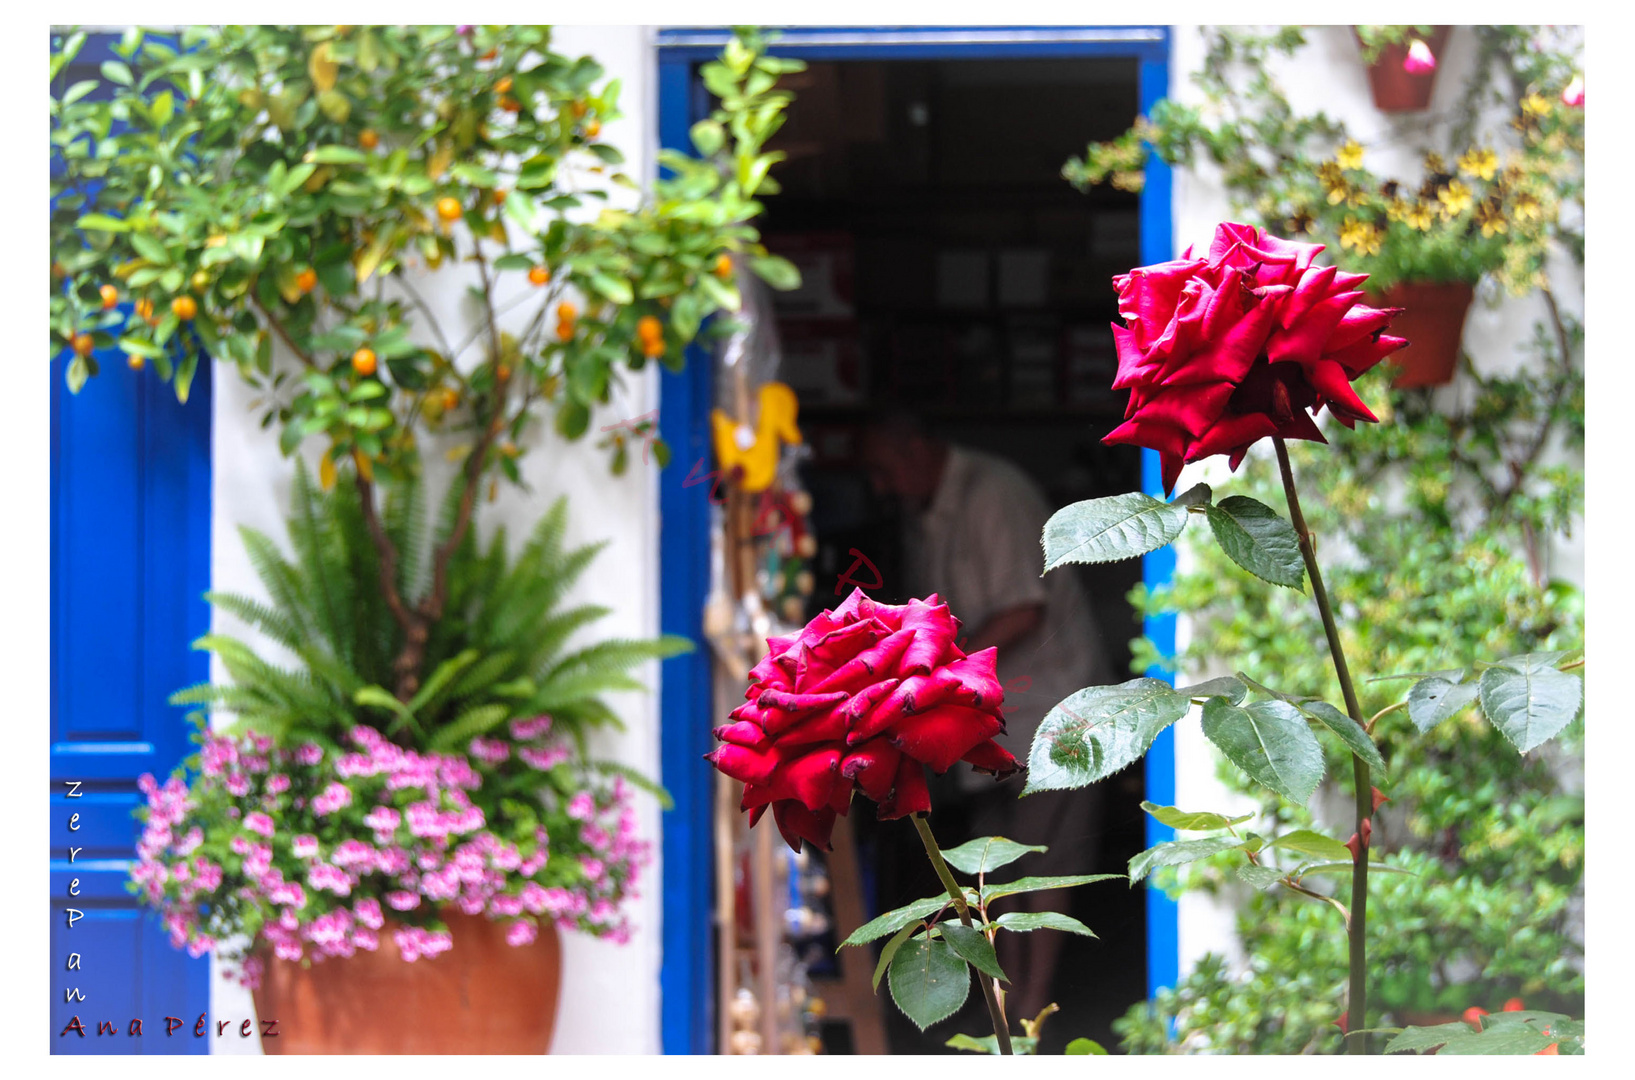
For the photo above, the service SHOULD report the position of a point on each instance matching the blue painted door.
(130, 560)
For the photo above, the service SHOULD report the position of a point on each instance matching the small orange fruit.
(451, 398)
(723, 266)
(578, 109)
(564, 330)
(593, 129)
(653, 347)
(306, 280)
(566, 312)
(58, 272)
(510, 104)
(135, 363)
(538, 275)
(83, 344)
(503, 85)
(499, 196)
(649, 328)
(368, 139)
(110, 296)
(490, 54)
(363, 362)
(502, 373)
(184, 307)
(144, 308)
(448, 208)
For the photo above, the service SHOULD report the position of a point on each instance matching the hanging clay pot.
(1433, 321)
(482, 996)
(1398, 90)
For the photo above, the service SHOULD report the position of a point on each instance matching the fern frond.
(440, 677)
(478, 720)
(550, 636)
(566, 690)
(276, 624)
(620, 654)
(405, 523)
(282, 582)
(318, 571)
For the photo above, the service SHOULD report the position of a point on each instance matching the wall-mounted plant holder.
(1397, 89)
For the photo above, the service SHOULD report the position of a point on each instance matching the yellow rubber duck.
(774, 425)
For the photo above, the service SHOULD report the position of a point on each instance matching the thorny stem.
(1357, 1008)
(934, 853)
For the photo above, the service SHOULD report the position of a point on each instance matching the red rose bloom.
(866, 695)
(1224, 351)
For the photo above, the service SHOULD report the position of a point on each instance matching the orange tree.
(245, 188)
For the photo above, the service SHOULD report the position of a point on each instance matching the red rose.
(1222, 352)
(867, 695)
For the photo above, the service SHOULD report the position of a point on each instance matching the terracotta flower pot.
(482, 996)
(1396, 90)
(1433, 321)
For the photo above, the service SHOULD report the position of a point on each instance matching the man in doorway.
(972, 535)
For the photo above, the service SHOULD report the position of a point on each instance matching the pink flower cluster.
(308, 845)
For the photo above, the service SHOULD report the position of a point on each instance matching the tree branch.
(278, 328)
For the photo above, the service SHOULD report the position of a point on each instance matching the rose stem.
(934, 853)
(1357, 1000)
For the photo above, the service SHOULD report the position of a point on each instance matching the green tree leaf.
(986, 853)
(1081, 1047)
(989, 1044)
(1024, 921)
(1039, 884)
(1528, 700)
(892, 921)
(1098, 731)
(1226, 686)
(1176, 852)
(973, 946)
(1270, 741)
(1111, 529)
(1350, 732)
(776, 271)
(928, 981)
(1257, 539)
(1192, 821)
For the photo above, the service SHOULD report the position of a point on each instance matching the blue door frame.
(688, 956)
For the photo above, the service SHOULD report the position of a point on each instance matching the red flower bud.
(865, 697)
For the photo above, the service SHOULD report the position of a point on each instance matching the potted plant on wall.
(1401, 64)
(280, 197)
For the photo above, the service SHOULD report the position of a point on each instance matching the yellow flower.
(1527, 208)
(1482, 163)
(1418, 217)
(1491, 218)
(1455, 199)
(1350, 156)
(1360, 235)
(1535, 105)
(1396, 210)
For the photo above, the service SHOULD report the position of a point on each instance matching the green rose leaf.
(1307, 842)
(1039, 884)
(1226, 686)
(895, 920)
(973, 946)
(928, 980)
(1529, 700)
(1260, 877)
(1436, 699)
(1350, 732)
(1111, 529)
(1176, 852)
(1080, 1047)
(989, 1044)
(1270, 741)
(1193, 821)
(1254, 537)
(890, 950)
(986, 853)
(1024, 921)
(1098, 731)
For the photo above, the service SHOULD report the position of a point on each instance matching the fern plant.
(500, 651)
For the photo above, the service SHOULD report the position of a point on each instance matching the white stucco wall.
(610, 993)
(1328, 74)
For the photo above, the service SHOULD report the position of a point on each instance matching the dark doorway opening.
(948, 266)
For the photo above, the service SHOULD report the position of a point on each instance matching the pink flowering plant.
(330, 812)
(307, 852)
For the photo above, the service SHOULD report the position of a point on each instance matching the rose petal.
(909, 792)
(743, 733)
(944, 735)
(873, 766)
(797, 823)
(742, 763)
(988, 756)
